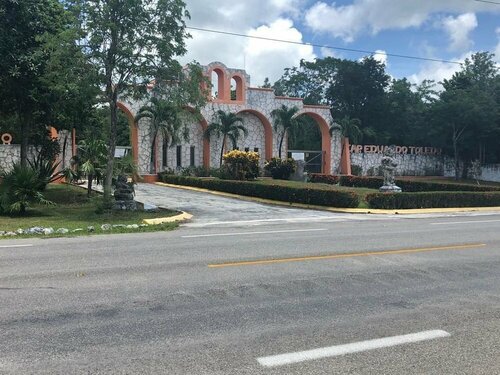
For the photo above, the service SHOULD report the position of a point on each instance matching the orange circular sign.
(6, 138)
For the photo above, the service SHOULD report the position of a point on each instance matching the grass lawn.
(362, 192)
(74, 210)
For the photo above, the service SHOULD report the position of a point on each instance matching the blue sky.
(448, 30)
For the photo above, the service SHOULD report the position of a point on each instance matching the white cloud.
(272, 19)
(438, 71)
(459, 29)
(496, 51)
(349, 21)
(268, 59)
(381, 56)
(329, 52)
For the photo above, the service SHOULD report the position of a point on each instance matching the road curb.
(334, 209)
(183, 216)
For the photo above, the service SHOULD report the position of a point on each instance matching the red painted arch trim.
(326, 139)
(134, 131)
(268, 131)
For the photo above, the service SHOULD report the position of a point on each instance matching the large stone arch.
(326, 139)
(134, 131)
(268, 131)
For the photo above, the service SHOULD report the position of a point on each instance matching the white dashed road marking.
(355, 347)
(23, 245)
(248, 233)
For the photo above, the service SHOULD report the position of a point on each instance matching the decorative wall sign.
(401, 150)
(6, 138)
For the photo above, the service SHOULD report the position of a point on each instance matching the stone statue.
(389, 165)
(124, 195)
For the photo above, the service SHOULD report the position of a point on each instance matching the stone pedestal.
(390, 189)
(124, 195)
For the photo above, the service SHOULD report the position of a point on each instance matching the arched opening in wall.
(233, 89)
(310, 142)
(218, 86)
(260, 134)
(237, 88)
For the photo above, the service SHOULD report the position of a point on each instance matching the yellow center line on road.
(346, 255)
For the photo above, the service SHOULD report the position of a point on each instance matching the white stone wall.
(490, 172)
(11, 154)
(195, 138)
(144, 135)
(408, 165)
(255, 137)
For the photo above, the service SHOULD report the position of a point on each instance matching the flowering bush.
(281, 169)
(241, 165)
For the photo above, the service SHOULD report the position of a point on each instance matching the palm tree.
(165, 120)
(91, 160)
(229, 125)
(284, 119)
(349, 127)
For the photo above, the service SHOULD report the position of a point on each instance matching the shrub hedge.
(324, 178)
(406, 185)
(315, 196)
(437, 199)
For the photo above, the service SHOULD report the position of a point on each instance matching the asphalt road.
(226, 298)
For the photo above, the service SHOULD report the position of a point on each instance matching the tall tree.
(284, 120)
(356, 89)
(132, 43)
(467, 112)
(23, 31)
(229, 126)
(350, 128)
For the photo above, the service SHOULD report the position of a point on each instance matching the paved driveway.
(210, 209)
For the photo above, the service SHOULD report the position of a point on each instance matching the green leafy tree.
(229, 126)
(351, 88)
(284, 120)
(25, 27)
(350, 128)
(164, 121)
(466, 116)
(132, 43)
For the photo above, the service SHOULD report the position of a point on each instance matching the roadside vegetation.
(73, 210)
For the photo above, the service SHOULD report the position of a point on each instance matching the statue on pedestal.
(389, 165)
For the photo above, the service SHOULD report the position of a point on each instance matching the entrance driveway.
(210, 209)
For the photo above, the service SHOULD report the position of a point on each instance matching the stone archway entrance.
(318, 160)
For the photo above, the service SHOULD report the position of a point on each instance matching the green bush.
(314, 196)
(407, 185)
(240, 165)
(324, 178)
(20, 188)
(281, 169)
(433, 200)
(356, 170)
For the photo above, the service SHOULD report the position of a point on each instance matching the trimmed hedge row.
(406, 185)
(315, 196)
(439, 199)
